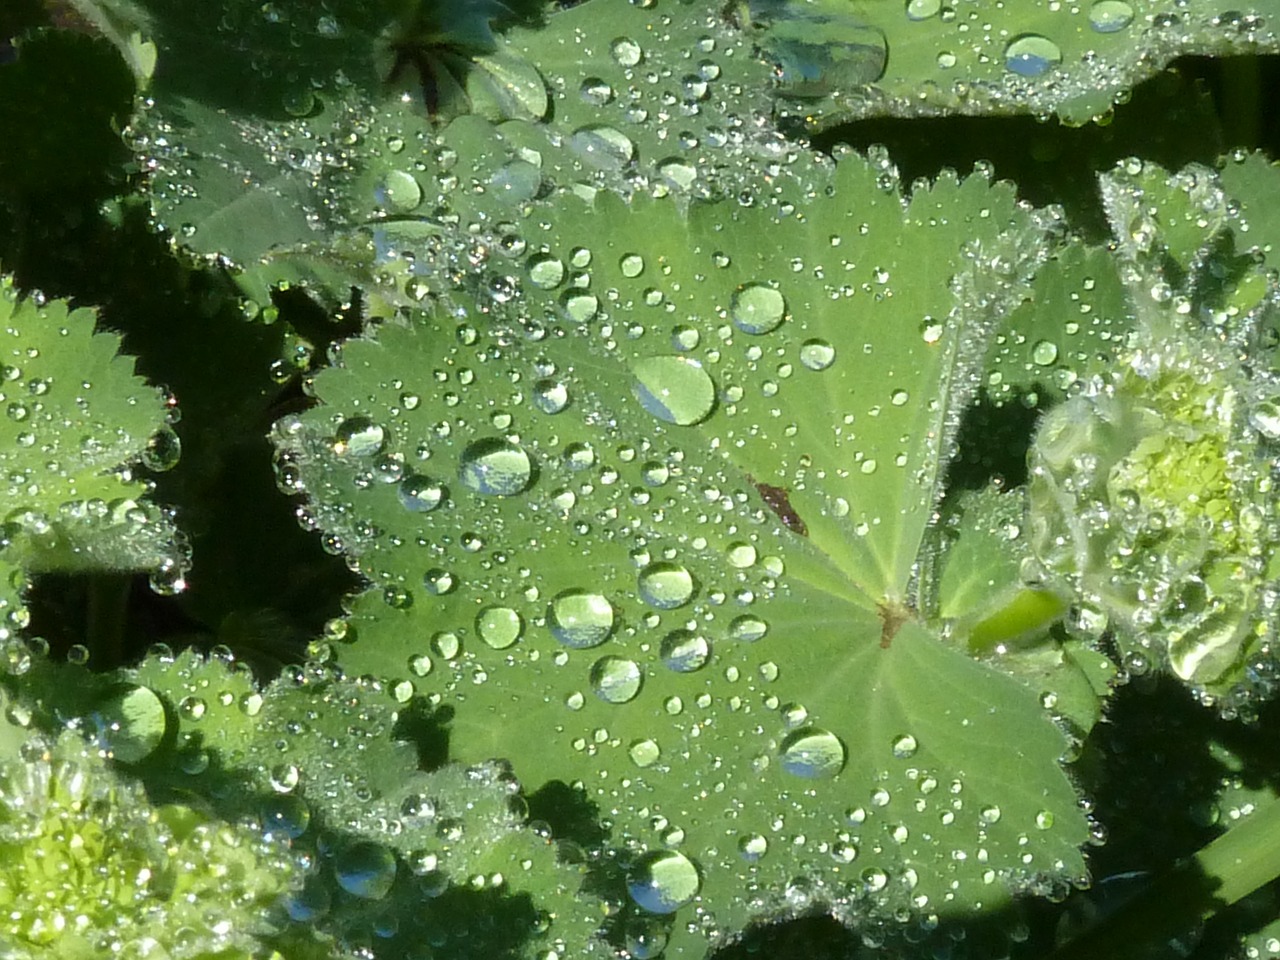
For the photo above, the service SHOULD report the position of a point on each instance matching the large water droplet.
(499, 627)
(603, 146)
(817, 354)
(546, 272)
(365, 870)
(420, 494)
(1031, 55)
(1110, 16)
(757, 308)
(495, 467)
(666, 585)
(663, 881)
(580, 619)
(399, 192)
(130, 723)
(748, 628)
(550, 396)
(1044, 353)
(358, 437)
(812, 753)
(626, 52)
(685, 651)
(674, 389)
(616, 679)
(923, 9)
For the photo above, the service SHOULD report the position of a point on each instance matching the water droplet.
(579, 305)
(644, 753)
(748, 628)
(905, 746)
(517, 181)
(740, 555)
(1265, 418)
(130, 723)
(399, 192)
(752, 847)
(685, 651)
(1110, 16)
(674, 389)
(989, 814)
(495, 467)
(663, 881)
(678, 173)
(1044, 819)
(603, 146)
(550, 396)
(616, 679)
(923, 9)
(899, 398)
(666, 585)
(420, 494)
(446, 645)
(626, 52)
(757, 308)
(817, 354)
(546, 272)
(365, 870)
(812, 753)
(1044, 353)
(580, 619)
(631, 265)
(595, 91)
(1031, 55)
(286, 816)
(284, 777)
(358, 437)
(499, 627)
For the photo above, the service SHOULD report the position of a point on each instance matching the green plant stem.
(1222, 873)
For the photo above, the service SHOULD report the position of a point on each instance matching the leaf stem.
(1222, 873)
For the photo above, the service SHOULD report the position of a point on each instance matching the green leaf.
(77, 421)
(933, 58)
(659, 493)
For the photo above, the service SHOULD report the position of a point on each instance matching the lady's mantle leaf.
(642, 513)
(76, 418)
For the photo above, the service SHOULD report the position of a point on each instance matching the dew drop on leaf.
(399, 192)
(550, 396)
(748, 628)
(757, 308)
(666, 586)
(616, 679)
(495, 467)
(358, 437)
(752, 847)
(1110, 16)
(546, 272)
(499, 627)
(674, 389)
(1044, 353)
(580, 619)
(626, 52)
(130, 723)
(923, 9)
(1031, 55)
(663, 881)
(905, 746)
(365, 870)
(603, 146)
(420, 494)
(644, 753)
(812, 753)
(684, 651)
(817, 354)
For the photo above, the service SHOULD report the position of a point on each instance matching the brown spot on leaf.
(776, 498)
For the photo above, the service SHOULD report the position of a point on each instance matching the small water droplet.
(644, 753)
(495, 467)
(365, 870)
(546, 272)
(358, 437)
(580, 619)
(1110, 16)
(905, 746)
(603, 146)
(923, 9)
(626, 52)
(666, 585)
(595, 91)
(550, 396)
(748, 628)
(757, 308)
(674, 389)
(631, 265)
(1031, 55)
(663, 881)
(817, 354)
(1044, 353)
(812, 753)
(420, 494)
(616, 679)
(499, 627)
(752, 847)
(684, 651)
